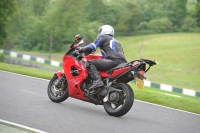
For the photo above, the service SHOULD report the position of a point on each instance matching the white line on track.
(135, 99)
(168, 107)
(22, 126)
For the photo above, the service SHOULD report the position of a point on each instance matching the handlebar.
(78, 54)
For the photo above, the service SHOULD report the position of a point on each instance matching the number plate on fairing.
(139, 83)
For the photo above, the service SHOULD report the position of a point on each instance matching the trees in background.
(49, 25)
(198, 13)
(7, 8)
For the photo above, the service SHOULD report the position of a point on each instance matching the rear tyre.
(119, 103)
(57, 94)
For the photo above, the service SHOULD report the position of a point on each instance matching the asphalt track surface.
(24, 100)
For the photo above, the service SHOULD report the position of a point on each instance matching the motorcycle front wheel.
(57, 94)
(119, 102)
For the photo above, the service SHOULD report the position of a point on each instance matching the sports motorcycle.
(116, 95)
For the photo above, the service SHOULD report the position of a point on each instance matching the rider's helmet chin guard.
(106, 30)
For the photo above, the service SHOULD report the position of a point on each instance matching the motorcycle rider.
(112, 53)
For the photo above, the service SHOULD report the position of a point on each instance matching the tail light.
(138, 74)
(142, 73)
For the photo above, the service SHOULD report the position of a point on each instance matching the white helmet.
(106, 29)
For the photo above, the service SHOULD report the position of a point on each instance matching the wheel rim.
(118, 104)
(57, 92)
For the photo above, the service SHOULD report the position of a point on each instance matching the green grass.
(11, 129)
(191, 6)
(177, 56)
(26, 71)
(169, 99)
(151, 95)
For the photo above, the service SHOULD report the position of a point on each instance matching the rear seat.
(119, 66)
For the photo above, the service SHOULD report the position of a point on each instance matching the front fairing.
(75, 73)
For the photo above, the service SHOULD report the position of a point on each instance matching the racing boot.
(94, 74)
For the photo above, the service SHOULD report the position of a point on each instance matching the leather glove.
(80, 49)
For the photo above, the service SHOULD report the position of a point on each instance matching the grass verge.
(152, 95)
(7, 128)
(169, 99)
(26, 70)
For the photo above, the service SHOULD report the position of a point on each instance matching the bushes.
(2, 57)
(164, 25)
(155, 26)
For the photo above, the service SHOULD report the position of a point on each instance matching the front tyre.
(119, 102)
(57, 94)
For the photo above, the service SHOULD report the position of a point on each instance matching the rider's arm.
(93, 46)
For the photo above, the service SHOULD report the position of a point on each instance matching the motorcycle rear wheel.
(125, 105)
(57, 94)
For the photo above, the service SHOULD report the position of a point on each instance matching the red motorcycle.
(116, 95)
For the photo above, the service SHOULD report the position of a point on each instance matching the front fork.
(61, 79)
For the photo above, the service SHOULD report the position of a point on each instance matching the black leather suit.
(111, 50)
(113, 55)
